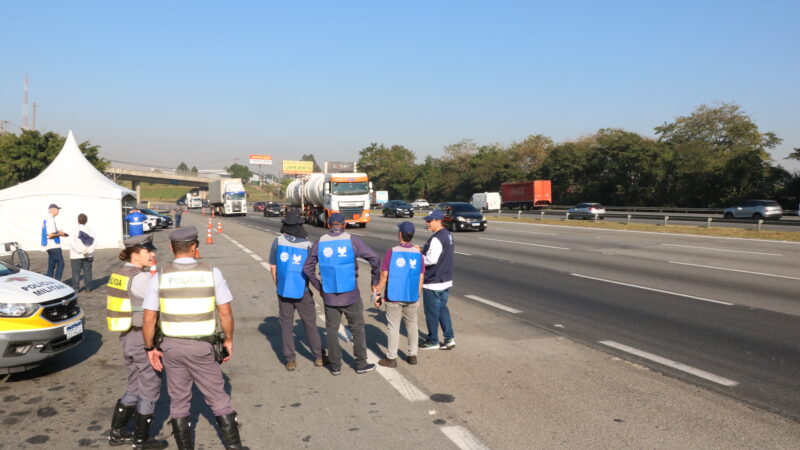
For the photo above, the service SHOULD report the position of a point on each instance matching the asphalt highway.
(723, 314)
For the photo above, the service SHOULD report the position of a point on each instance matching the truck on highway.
(227, 196)
(526, 194)
(378, 198)
(486, 201)
(319, 194)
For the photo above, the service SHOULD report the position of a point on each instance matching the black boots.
(182, 433)
(119, 424)
(141, 433)
(229, 428)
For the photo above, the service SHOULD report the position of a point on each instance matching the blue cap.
(53, 205)
(336, 218)
(436, 214)
(406, 227)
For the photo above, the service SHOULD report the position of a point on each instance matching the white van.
(486, 201)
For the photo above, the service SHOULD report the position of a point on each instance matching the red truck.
(526, 194)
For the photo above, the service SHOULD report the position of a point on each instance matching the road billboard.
(261, 159)
(298, 167)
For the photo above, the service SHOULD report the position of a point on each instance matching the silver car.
(587, 211)
(754, 209)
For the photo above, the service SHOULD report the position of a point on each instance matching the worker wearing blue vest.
(403, 270)
(135, 220)
(336, 253)
(438, 256)
(286, 259)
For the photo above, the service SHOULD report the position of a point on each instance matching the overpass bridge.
(138, 176)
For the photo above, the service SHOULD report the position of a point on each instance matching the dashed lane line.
(463, 438)
(524, 231)
(720, 302)
(494, 304)
(722, 249)
(465, 254)
(736, 270)
(670, 363)
(525, 243)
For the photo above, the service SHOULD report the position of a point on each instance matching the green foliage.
(392, 169)
(239, 171)
(182, 169)
(24, 156)
(310, 157)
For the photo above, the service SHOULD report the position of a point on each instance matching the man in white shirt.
(51, 241)
(81, 254)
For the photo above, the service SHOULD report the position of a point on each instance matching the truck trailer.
(318, 195)
(227, 196)
(526, 194)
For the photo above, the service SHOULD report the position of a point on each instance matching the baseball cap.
(436, 214)
(336, 218)
(293, 218)
(53, 205)
(184, 234)
(406, 227)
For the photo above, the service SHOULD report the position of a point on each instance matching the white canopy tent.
(74, 184)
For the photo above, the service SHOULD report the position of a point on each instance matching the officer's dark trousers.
(82, 265)
(178, 220)
(305, 308)
(55, 263)
(355, 317)
(144, 383)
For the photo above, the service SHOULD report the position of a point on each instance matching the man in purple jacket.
(336, 253)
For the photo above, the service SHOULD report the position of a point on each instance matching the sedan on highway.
(397, 208)
(587, 211)
(259, 206)
(162, 220)
(420, 203)
(754, 209)
(39, 318)
(272, 209)
(461, 216)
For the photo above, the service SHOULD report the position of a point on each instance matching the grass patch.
(677, 229)
(169, 193)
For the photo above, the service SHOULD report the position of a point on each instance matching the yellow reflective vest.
(123, 308)
(187, 300)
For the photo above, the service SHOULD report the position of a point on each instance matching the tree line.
(710, 158)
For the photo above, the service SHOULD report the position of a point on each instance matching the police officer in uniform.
(126, 289)
(135, 220)
(403, 269)
(286, 258)
(187, 294)
(336, 253)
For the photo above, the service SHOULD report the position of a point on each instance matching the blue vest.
(56, 239)
(404, 270)
(135, 223)
(442, 271)
(337, 263)
(289, 259)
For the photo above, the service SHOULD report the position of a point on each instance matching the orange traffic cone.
(209, 239)
(153, 268)
(210, 225)
(219, 227)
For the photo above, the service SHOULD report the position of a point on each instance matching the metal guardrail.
(664, 218)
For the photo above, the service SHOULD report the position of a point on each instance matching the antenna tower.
(25, 104)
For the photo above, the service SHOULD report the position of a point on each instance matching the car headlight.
(461, 219)
(17, 309)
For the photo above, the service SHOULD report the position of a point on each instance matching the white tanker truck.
(320, 194)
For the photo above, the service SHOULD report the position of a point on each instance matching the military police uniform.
(126, 288)
(186, 292)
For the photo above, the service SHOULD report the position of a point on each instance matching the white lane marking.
(525, 243)
(722, 249)
(266, 266)
(769, 241)
(523, 231)
(735, 270)
(495, 304)
(256, 257)
(397, 380)
(465, 254)
(463, 438)
(652, 289)
(670, 363)
(249, 252)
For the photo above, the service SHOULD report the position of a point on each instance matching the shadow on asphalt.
(92, 341)
(271, 329)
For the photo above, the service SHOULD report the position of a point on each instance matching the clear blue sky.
(164, 82)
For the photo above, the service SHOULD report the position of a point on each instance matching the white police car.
(39, 318)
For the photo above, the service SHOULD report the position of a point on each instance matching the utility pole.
(33, 127)
(3, 127)
(25, 104)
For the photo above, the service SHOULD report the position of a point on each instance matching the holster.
(217, 340)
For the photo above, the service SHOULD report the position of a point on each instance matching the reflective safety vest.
(337, 263)
(289, 259)
(405, 268)
(123, 307)
(188, 302)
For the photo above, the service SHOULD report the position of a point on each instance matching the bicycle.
(19, 257)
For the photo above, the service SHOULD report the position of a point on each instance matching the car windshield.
(149, 211)
(239, 196)
(402, 205)
(7, 270)
(771, 203)
(349, 188)
(463, 207)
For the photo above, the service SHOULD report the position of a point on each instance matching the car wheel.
(728, 215)
(384, 213)
(758, 216)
